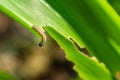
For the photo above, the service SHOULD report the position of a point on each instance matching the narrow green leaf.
(78, 22)
(115, 4)
(89, 69)
(95, 22)
(36, 12)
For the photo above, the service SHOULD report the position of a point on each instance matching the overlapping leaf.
(97, 23)
(90, 20)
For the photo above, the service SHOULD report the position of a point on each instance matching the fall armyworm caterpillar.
(40, 32)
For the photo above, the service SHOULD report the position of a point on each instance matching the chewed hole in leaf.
(84, 50)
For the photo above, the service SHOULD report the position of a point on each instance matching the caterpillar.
(41, 33)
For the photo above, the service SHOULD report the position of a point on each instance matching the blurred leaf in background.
(5, 76)
(69, 23)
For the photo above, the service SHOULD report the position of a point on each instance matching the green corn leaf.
(115, 4)
(85, 21)
(35, 12)
(88, 68)
(97, 23)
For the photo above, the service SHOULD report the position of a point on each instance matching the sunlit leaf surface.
(95, 23)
